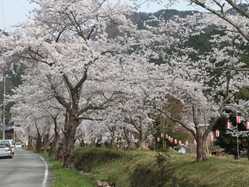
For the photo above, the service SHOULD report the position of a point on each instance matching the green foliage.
(225, 141)
(228, 142)
(147, 169)
(140, 17)
(164, 125)
(87, 158)
(120, 166)
(215, 172)
(243, 93)
(151, 174)
(63, 177)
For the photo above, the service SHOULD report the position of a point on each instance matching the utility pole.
(3, 112)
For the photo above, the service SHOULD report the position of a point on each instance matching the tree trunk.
(127, 138)
(54, 144)
(247, 147)
(38, 144)
(45, 142)
(29, 146)
(201, 153)
(71, 124)
(140, 143)
(205, 148)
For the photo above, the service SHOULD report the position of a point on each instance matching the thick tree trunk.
(71, 124)
(205, 147)
(140, 143)
(54, 145)
(201, 153)
(30, 143)
(247, 147)
(59, 151)
(45, 142)
(73, 111)
(38, 144)
(127, 138)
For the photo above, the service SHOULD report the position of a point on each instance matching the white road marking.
(44, 182)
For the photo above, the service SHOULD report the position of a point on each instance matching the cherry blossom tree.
(68, 45)
(233, 14)
(129, 119)
(85, 60)
(37, 124)
(201, 109)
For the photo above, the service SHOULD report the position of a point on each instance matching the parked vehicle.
(6, 151)
(10, 143)
(18, 145)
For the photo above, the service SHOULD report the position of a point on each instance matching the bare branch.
(178, 121)
(238, 9)
(57, 96)
(222, 16)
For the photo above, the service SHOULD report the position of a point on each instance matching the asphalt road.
(24, 170)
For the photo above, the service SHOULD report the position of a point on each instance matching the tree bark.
(71, 124)
(127, 138)
(38, 144)
(201, 153)
(247, 149)
(54, 146)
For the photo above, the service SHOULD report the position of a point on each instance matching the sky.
(14, 12)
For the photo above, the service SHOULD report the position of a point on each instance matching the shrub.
(150, 174)
(85, 159)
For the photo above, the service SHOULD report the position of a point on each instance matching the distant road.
(24, 170)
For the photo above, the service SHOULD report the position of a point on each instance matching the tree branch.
(179, 122)
(57, 96)
(222, 16)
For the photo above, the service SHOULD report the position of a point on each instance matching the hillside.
(166, 14)
(148, 168)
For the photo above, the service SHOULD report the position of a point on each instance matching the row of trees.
(87, 61)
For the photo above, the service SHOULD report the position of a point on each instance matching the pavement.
(26, 169)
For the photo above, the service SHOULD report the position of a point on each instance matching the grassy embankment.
(145, 169)
(63, 177)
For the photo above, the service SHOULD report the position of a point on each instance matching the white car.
(10, 143)
(18, 145)
(5, 151)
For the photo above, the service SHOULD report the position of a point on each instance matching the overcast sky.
(14, 12)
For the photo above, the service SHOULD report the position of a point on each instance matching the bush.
(87, 158)
(151, 174)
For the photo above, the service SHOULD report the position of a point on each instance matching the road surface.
(24, 170)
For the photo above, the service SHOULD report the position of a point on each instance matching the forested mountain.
(140, 17)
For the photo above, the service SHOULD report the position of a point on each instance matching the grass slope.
(121, 170)
(63, 177)
(215, 172)
(143, 169)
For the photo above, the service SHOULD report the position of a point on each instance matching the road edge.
(45, 179)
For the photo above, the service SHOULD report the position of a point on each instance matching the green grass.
(215, 172)
(63, 177)
(120, 170)
(141, 169)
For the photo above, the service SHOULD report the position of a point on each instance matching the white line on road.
(44, 182)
